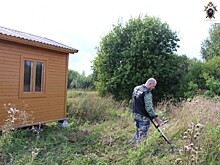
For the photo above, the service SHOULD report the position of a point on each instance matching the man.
(142, 109)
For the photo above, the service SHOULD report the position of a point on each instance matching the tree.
(132, 52)
(204, 76)
(211, 74)
(78, 81)
(194, 74)
(84, 73)
(71, 76)
(83, 82)
(212, 67)
(211, 46)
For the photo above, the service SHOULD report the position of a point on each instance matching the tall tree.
(132, 52)
(210, 47)
(84, 73)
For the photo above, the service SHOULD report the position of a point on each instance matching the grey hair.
(151, 80)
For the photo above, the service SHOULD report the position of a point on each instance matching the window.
(33, 76)
(39, 81)
(28, 76)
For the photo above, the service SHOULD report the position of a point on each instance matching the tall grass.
(100, 129)
(85, 106)
(184, 119)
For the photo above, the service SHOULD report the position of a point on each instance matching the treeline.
(79, 81)
(145, 47)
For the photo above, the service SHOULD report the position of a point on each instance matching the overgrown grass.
(100, 129)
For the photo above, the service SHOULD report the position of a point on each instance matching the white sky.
(81, 23)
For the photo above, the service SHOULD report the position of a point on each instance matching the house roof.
(34, 40)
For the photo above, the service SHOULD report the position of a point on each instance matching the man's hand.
(159, 122)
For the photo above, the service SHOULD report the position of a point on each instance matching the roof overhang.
(37, 44)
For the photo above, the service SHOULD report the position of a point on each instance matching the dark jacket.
(142, 106)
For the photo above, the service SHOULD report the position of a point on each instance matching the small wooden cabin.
(33, 76)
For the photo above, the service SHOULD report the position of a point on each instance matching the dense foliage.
(203, 77)
(135, 51)
(211, 46)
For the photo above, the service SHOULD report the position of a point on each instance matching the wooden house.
(33, 77)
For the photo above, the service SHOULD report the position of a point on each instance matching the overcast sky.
(81, 23)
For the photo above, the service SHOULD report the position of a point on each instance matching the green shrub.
(192, 89)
